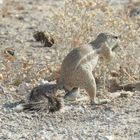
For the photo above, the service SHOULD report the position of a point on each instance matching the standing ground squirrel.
(76, 72)
(77, 67)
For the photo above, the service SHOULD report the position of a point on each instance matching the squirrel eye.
(116, 37)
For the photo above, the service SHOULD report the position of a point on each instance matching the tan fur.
(77, 67)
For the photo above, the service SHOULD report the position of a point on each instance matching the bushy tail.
(51, 104)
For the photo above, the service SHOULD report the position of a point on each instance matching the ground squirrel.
(77, 66)
(41, 98)
(76, 72)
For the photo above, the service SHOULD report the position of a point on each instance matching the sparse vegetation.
(71, 23)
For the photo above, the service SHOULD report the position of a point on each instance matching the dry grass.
(77, 22)
(72, 23)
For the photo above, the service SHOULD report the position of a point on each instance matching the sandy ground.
(118, 120)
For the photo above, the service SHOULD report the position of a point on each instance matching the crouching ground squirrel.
(76, 72)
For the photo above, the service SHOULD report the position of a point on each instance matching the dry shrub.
(71, 23)
(77, 22)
